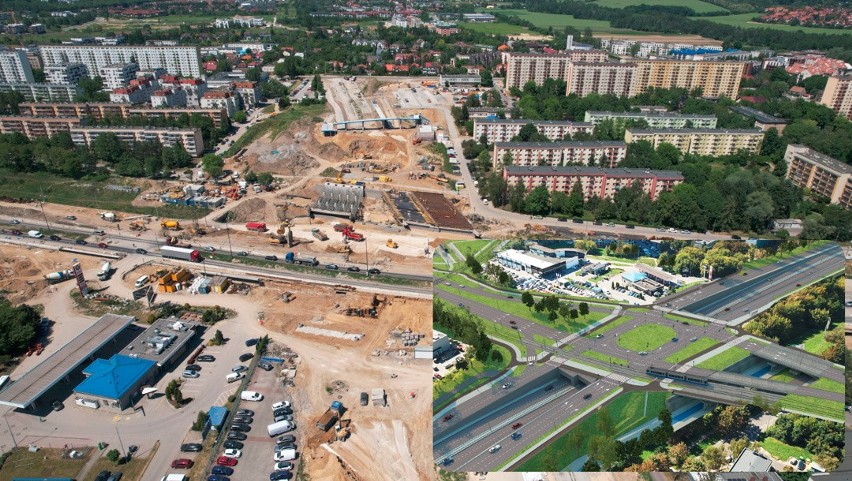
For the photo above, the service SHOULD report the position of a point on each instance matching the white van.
(36, 234)
(141, 281)
(251, 396)
(285, 455)
(280, 427)
(234, 377)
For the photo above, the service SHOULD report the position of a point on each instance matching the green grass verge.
(543, 340)
(611, 325)
(519, 369)
(629, 412)
(783, 376)
(816, 343)
(86, 193)
(274, 125)
(544, 20)
(828, 385)
(696, 5)
(688, 320)
(822, 407)
(725, 359)
(765, 261)
(746, 20)
(45, 463)
(646, 337)
(784, 451)
(693, 348)
(605, 358)
(495, 28)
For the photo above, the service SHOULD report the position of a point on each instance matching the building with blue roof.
(114, 383)
(216, 415)
(633, 276)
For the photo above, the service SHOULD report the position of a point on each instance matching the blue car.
(223, 470)
(516, 436)
(218, 477)
(280, 475)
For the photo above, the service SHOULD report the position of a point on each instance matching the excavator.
(390, 243)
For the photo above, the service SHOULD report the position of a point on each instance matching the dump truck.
(59, 276)
(181, 253)
(170, 224)
(256, 226)
(350, 234)
(385, 178)
(109, 216)
(330, 416)
(320, 235)
(296, 258)
(390, 243)
(106, 270)
(340, 227)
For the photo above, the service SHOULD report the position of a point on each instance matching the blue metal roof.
(113, 377)
(217, 416)
(634, 276)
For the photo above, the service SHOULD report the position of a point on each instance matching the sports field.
(746, 20)
(556, 21)
(496, 28)
(696, 5)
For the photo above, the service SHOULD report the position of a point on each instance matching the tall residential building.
(220, 99)
(838, 95)
(175, 60)
(189, 138)
(655, 120)
(66, 73)
(712, 142)
(823, 175)
(584, 78)
(14, 67)
(101, 110)
(557, 154)
(502, 130)
(34, 127)
(524, 67)
(715, 79)
(595, 182)
(39, 92)
(118, 75)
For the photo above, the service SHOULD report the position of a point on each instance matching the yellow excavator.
(390, 243)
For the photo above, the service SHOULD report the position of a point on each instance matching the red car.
(182, 463)
(102, 245)
(226, 461)
(517, 425)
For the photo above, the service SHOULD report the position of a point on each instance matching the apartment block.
(37, 126)
(838, 95)
(249, 93)
(194, 88)
(584, 78)
(655, 120)
(503, 130)
(220, 99)
(14, 67)
(41, 92)
(823, 175)
(524, 67)
(715, 79)
(189, 138)
(165, 98)
(557, 154)
(66, 73)
(118, 75)
(175, 60)
(138, 92)
(712, 142)
(595, 182)
(102, 110)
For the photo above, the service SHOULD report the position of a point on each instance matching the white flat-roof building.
(14, 67)
(66, 73)
(440, 341)
(532, 263)
(175, 60)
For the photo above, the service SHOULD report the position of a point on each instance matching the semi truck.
(180, 253)
(256, 226)
(106, 270)
(296, 258)
(330, 416)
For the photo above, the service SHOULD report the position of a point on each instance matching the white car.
(232, 453)
(494, 449)
(281, 404)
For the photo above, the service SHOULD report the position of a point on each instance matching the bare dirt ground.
(22, 269)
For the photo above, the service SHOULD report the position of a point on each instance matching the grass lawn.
(611, 273)
(691, 349)
(85, 193)
(696, 5)
(824, 407)
(544, 20)
(816, 343)
(496, 28)
(481, 249)
(725, 359)
(765, 261)
(783, 376)
(606, 358)
(45, 463)
(828, 385)
(784, 451)
(519, 369)
(475, 367)
(543, 340)
(628, 410)
(439, 263)
(625, 260)
(611, 325)
(274, 125)
(688, 320)
(132, 470)
(646, 337)
(745, 20)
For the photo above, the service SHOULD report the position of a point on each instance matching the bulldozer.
(390, 243)
(138, 225)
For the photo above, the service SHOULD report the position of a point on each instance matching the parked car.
(280, 404)
(251, 342)
(116, 476)
(287, 438)
(190, 374)
(374, 271)
(192, 367)
(191, 447)
(241, 427)
(205, 358)
(226, 461)
(102, 245)
(243, 420)
(332, 267)
(232, 445)
(353, 269)
(265, 366)
(79, 242)
(280, 446)
(246, 356)
(239, 369)
(245, 412)
(271, 258)
(70, 217)
(232, 453)
(217, 477)
(283, 466)
(182, 463)
(365, 399)
(102, 476)
(14, 222)
(55, 238)
(280, 475)
(209, 249)
(141, 251)
(242, 253)
(222, 470)
(282, 417)
(236, 436)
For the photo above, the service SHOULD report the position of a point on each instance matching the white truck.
(280, 427)
(106, 270)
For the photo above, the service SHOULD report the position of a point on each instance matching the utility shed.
(378, 397)
(217, 415)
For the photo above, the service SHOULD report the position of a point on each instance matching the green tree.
(213, 164)
(107, 147)
(283, 102)
(265, 178)
(473, 264)
(713, 457)
(218, 338)
(200, 421)
(240, 116)
(527, 299)
(537, 201)
(18, 327)
(584, 309)
(496, 356)
(113, 455)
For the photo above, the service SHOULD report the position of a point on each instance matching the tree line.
(463, 326)
(19, 328)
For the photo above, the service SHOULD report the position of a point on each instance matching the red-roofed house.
(220, 99)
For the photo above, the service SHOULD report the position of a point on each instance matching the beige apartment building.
(34, 127)
(189, 138)
(524, 67)
(503, 130)
(712, 142)
(715, 79)
(838, 95)
(584, 78)
(823, 175)
(100, 110)
(655, 120)
(557, 154)
(595, 182)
